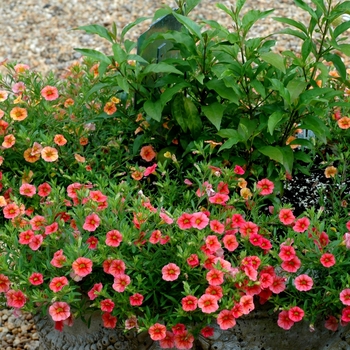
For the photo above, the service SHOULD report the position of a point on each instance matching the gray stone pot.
(256, 331)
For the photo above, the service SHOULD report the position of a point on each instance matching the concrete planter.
(257, 331)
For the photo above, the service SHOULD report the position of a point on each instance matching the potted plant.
(148, 195)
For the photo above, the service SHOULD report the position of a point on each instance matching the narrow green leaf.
(190, 5)
(131, 25)
(94, 54)
(307, 8)
(228, 133)
(122, 83)
(154, 109)
(292, 32)
(96, 88)
(258, 87)
(273, 121)
(214, 113)
(229, 12)
(118, 53)
(345, 48)
(338, 64)
(275, 60)
(252, 16)
(192, 26)
(230, 142)
(161, 67)
(341, 28)
(306, 48)
(97, 29)
(291, 22)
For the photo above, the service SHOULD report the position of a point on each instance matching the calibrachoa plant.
(151, 192)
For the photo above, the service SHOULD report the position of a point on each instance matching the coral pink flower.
(82, 266)
(217, 227)
(58, 259)
(215, 291)
(185, 221)
(37, 222)
(251, 272)
(121, 282)
(92, 222)
(59, 140)
(296, 314)
(92, 242)
(49, 93)
(57, 283)
(25, 236)
(225, 319)
(36, 242)
(238, 170)
(287, 252)
(331, 323)
(3, 95)
(11, 211)
(199, 220)
(207, 331)
(49, 229)
(247, 303)
(345, 315)
(36, 278)
(147, 153)
(136, 299)
(109, 321)
(166, 218)
(286, 216)
(107, 305)
(4, 283)
(189, 303)
(59, 311)
(237, 220)
(237, 310)
(345, 296)
(303, 283)
(255, 239)
(113, 238)
(155, 237)
(301, 225)
(15, 298)
(208, 303)
(193, 260)
(291, 265)
(278, 285)
(49, 154)
(157, 331)
(265, 280)
(170, 272)
(92, 293)
(223, 188)
(183, 341)
(264, 296)
(230, 242)
(344, 123)
(212, 243)
(266, 186)
(179, 328)
(97, 196)
(327, 260)
(284, 321)
(150, 170)
(265, 244)
(27, 190)
(247, 228)
(116, 267)
(73, 188)
(219, 198)
(18, 113)
(215, 277)
(168, 341)
(131, 322)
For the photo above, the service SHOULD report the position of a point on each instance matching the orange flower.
(3, 202)
(330, 171)
(245, 193)
(49, 154)
(83, 141)
(344, 123)
(68, 102)
(50, 93)
(137, 175)
(21, 68)
(147, 153)
(79, 158)
(60, 140)
(3, 95)
(289, 140)
(3, 127)
(242, 183)
(334, 74)
(36, 149)
(110, 108)
(2, 113)
(9, 141)
(18, 113)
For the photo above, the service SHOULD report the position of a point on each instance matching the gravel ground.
(39, 33)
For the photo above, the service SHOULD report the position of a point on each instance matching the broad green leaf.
(192, 26)
(306, 48)
(178, 111)
(225, 92)
(275, 60)
(161, 68)
(258, 87)
(246, 128)
(214, 113)
(137, 58)
(295, 88)
(230, 142)
(345, 48)
(316, 125)
(307, 8)
(94, 54)
(277, 85)
(274, 119)
(291, 22)
(154, 109)
(168, 94)
(192, 117)
(99, 30)
(190, 5)
(137, 143)
(96, 88)
(338, 64)
(228, 133)
(253, 16)
(341, 28)
(273, 153)
(302, 156)
(122, 83)
(118, 53)
(131, 25)
(288, 158)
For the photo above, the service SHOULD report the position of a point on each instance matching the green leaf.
(341, 28)
(119, 54)
(228, 133)
(316, 125)
(338, 64)
(190, 5)
(225, 92)
(122, 83)
(275, 60)
(288, 158)
(193, 27)
(161, 67)
(214, 113)
(282, 155)
(295, 88)
(291, 22)
(306, 48)
(94, 54)
(178, 111)
(277, 85)
(193, 119)
(345, 48)
(259, 87)
(307, 8)
(154, 109)
(246, 128)
(274, 119)
(97, 29)
(253, 16)
(292, 32)
(168, 94)
(96, 88)
(302, 156)
(131, 25)
(230, 142)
